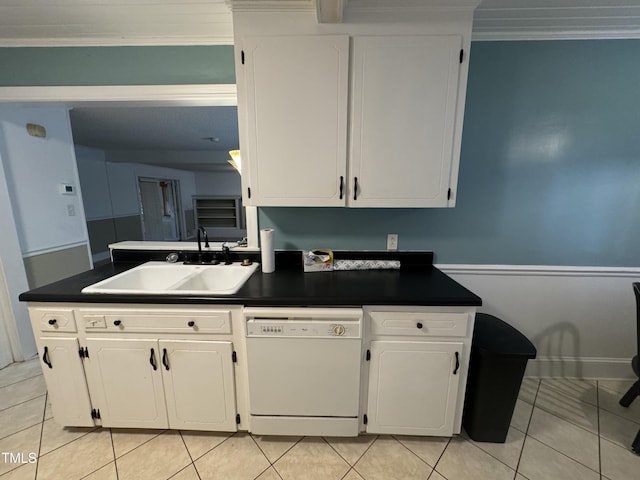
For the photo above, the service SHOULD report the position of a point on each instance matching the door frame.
(175, 184)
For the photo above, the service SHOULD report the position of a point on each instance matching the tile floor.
(561, 429)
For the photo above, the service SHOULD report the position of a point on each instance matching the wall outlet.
(392, 241)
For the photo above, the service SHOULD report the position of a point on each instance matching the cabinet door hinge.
(365, 419)
(461, 55)
(449, 193)
(234, 357)
(238, 418)
(368, 355)
(242, 57)
(95, 413)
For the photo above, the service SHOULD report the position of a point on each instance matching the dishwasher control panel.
(259, 327)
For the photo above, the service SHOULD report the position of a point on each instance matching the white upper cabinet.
(366, 113)
(296, 119)
(403, 110)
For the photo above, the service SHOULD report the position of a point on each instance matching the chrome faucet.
(202, 231)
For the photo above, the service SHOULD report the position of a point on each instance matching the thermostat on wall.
(66, 189)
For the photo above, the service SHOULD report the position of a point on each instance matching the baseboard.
(595, 368)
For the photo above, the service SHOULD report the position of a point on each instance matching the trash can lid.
(494, 337)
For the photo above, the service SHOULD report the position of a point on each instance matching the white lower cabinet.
(413, 387)
(172, 366)
(126, 382)
(199, 384)
(417, 369)
(66, 384)
(163, 383)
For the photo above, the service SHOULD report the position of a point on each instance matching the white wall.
(582, 320)
(219, 183)
(35, 167)
(32, 211)
(111, 187)
(123, 189)
(187, 180)
(15, 318)
(92, 170)
(123, 185)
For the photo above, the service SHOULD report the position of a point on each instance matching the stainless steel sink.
(161, 278)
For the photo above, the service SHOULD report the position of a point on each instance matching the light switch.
(71, 210)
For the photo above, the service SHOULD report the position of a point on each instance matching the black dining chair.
(634, 391)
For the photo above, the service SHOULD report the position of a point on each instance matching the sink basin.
(223, 279)
(161, 278)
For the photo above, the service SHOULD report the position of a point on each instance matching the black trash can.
(499, 355)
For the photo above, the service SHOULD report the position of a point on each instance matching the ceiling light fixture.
(236, 161)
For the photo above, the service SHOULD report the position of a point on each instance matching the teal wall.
(549, 173)
(165, 65)
(550, 167)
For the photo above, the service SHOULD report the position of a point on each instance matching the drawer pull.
(45, 357)
(419, 325)
(455, 370)
(165, 360)
(152, 360)
(52, 321)
(117, 323)
(191, 323)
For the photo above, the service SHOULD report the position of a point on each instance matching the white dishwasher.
(304, 370)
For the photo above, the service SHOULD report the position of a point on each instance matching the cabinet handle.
(45, 357)
(117, 322)
(165, 360)
(52, 321)
(455, 370)
(152, 360)
(355, 188)
(341, 186)
(419, 325)
(191, 323)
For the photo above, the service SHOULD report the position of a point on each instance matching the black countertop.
(287, 286)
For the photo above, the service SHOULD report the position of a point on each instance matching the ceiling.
(189, 138)
(206, 22)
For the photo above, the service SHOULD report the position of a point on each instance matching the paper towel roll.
(267, 250)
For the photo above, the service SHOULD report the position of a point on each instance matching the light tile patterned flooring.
(562, 429)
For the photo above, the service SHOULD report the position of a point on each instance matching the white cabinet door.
(296, 94)
(403, 120)
(199, 384)
(65, 379)
(127, 380)
(413, 387)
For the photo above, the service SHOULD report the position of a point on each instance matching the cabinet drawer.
(54, 320)
(420, 324)
(147, 322)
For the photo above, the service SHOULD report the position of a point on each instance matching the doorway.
(159, 207)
